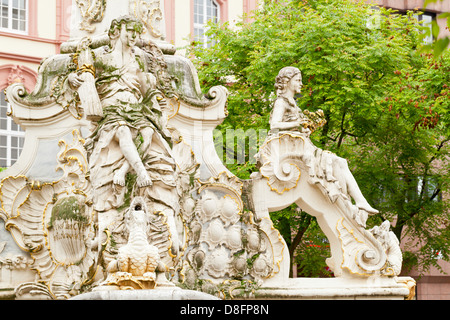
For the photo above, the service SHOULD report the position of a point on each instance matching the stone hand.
(75, 80)
(306, 131)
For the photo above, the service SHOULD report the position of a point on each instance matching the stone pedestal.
(164, 293)
(335, 289)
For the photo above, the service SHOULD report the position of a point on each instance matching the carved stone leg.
(132, 156)
(353, 189)
(119, 175)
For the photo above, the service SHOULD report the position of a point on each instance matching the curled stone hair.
(284, 76)
(116, 25)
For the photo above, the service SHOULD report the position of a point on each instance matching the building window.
(204, 11)
(11, 136)
(426, 19)
(14, 15)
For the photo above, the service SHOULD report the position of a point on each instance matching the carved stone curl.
(278, 157)
(53, 221)
(150, 13)
(91, 11)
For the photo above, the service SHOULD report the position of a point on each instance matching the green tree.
(407, 158)
(439, 44)
(364, 69)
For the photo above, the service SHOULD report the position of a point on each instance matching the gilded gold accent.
(177, 110)
(75, 58)
(268, 162)
(232, 184)
(411, 285)
(279, 137)
(87, 68)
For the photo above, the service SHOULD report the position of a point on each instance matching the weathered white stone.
(333, 289)
(94, 17)
(157, 294)
(119, 185)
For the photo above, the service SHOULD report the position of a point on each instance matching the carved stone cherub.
(391, 244)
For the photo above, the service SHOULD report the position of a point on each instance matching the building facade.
(182, 28)
(31, 30)
(430, 12)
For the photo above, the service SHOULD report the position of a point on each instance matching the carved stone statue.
(132, 136)
(287, 117)
(328, 190)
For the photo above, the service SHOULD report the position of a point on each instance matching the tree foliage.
(385, 102)
(439, 44)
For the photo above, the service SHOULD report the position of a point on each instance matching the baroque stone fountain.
(120, 194)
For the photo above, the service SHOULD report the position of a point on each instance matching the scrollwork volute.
(279, 157)
(54, 222)
(150, 13)
(92, 11)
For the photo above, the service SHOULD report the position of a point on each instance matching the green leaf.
(440, 45)
(435, 29)
(444, 15)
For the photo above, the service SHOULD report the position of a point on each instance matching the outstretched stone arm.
(85, 81)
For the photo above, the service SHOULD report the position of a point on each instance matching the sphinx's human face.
(295, 84)
(128, 35)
